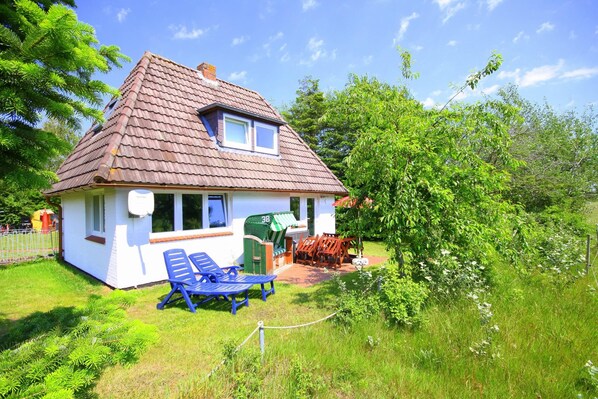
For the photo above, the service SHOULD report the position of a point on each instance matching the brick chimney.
(208, 70)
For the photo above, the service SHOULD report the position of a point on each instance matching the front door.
(311, 213)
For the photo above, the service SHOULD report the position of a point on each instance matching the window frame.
(178, 230)
(248, 132)
(274, 128)
(101, 212)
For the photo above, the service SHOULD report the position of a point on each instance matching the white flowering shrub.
(447, 276)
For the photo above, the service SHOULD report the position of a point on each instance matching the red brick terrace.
(306, 276)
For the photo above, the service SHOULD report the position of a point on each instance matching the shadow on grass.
(15, 332)
(325, 294)
(218, 304)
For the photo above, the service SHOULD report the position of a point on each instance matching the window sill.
(190, 237)
(96, 239)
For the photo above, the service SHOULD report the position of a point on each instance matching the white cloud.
(545, 27)
(436, 93)
(182, 33)
(452, 43)
(570, 104)
(238, 76)
(449, 8)
(271, 40)
(520, 36)
(316, 49)
(512, 74)
(541, 74)
(309, 4)
(404, 26)
(580, 73)
(121, 15)
(493, 3)
(417, 48)
(239, 40)
(572, 35)
(266, 10)
(443, 3)
(545, 73)
(490, 90)
(368, 60)
(285, 57)
(429, 102)
(462, 95)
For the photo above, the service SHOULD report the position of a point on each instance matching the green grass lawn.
(547, 333)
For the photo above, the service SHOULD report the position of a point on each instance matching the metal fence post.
(588, 254)
(260, 324)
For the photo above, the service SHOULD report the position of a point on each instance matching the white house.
(211, 152)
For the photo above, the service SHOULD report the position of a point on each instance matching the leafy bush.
(65, 362)
(402, 298)
(353, 305)
(399, 298)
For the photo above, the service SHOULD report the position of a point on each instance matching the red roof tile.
(155, 137)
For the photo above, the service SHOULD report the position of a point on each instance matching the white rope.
(300, 325)
(235, 351)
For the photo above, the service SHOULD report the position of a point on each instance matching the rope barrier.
(235, 351)
(261, 327)
(299, 325)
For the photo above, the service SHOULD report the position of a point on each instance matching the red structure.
(45, 217)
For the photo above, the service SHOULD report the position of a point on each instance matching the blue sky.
(550, 48)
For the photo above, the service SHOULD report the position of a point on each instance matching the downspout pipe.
(59, 214)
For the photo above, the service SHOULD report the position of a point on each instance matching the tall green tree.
(67, 134)
(351, 112)
(47, 62)
(559, 154)
(305, 114)
(427, 171)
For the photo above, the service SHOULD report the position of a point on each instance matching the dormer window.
(240, 129)
(266, 138)
(236, 132)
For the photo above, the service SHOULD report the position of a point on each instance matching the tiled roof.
(155, 137)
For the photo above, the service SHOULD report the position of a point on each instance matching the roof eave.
(225, 107)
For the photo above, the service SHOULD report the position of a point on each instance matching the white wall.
(89, 256)
(129, 259)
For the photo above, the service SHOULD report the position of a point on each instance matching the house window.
(295, 203)
(217, 210)
(185, 212)
(266, 138)
(163, 216)
(236, 132)
(98, 217)
(250, 135)
(192, 211)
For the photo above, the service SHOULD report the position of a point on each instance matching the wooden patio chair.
(330, 252)
(305, 252)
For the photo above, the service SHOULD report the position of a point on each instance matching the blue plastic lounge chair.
(230, 274)
(184, 280)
